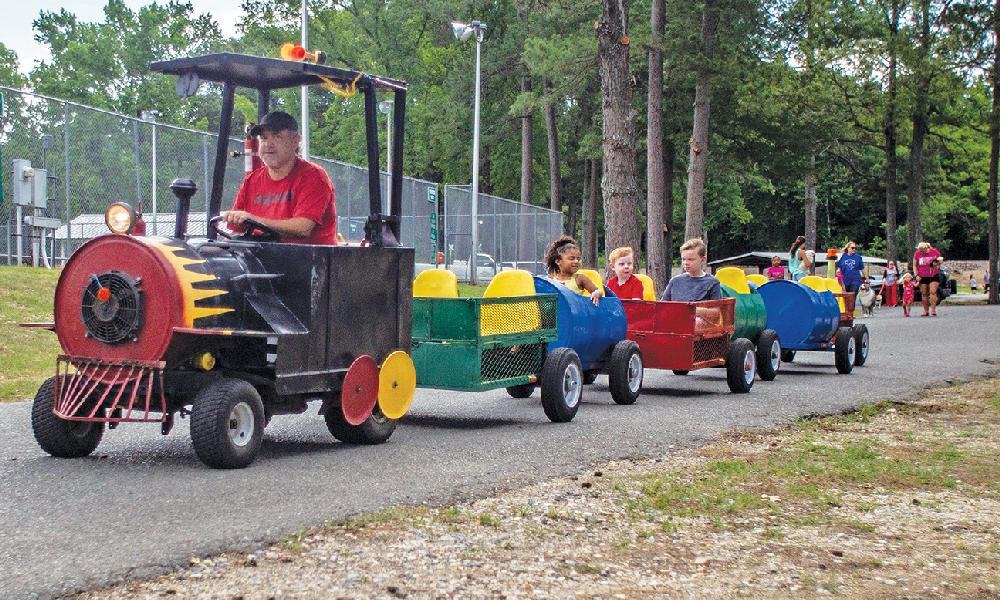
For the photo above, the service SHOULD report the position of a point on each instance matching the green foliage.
(792, 81)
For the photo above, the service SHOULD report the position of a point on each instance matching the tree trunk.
(555, 180)
(698, 160)
(994, 235)
(915, 187)
(590, 215)
(891, 170)
(526, 141)
(619, 186)
(811, 203)
(669, 159)
(655, 190)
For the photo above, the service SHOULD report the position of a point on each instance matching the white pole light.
(304, 116)
(462, 33)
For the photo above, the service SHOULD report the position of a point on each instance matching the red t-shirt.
(630, 290)
(305, 192)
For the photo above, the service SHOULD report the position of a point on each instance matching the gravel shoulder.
(895, 500)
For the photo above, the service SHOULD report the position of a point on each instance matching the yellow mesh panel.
(435, 283)
(499, 317)
(734, 278)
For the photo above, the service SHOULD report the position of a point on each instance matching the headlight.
(120, 218)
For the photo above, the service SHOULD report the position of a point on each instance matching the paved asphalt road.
(144, 503)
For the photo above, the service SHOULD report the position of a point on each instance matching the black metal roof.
(268, 73)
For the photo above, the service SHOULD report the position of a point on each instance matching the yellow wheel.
(397, 380)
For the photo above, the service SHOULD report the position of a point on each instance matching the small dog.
(867, 299)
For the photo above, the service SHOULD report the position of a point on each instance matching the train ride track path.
(143, 503)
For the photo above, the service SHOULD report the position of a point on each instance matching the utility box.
(21, 182)
(30, 186)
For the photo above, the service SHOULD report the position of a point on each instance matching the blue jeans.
(852, 287)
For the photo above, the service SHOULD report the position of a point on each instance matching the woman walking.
(851, 265)
(890, 277)
(927, 261)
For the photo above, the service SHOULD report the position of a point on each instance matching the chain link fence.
(95, 157)
(511, 234)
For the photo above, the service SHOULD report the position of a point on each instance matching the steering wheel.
(268, 234)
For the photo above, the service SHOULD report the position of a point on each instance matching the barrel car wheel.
(521, 391)
(861, 339)
(769, 354)
(562, 385)
(787, 356)
(625, 372)
(227, 424)
(375, 430)
(741, 366)
(844, 350)
(59, 437)
(680, 372)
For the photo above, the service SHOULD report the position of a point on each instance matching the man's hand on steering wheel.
(249, 223)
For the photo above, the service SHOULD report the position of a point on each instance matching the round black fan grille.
(114, 315)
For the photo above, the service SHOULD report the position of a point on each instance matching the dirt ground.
(896, 500)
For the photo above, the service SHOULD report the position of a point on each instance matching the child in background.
(694, 284)
(909, 284)
(775, 271)
(625, 285)
(562, 259)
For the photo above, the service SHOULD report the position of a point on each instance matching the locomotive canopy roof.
(266, 74)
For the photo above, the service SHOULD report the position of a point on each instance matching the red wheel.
(359, 393)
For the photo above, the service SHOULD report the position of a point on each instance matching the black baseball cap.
(276, 122)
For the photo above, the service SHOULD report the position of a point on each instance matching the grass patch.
(28, 355)
(804, 482)
(466, 290)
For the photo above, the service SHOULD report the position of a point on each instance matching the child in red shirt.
(775, 271)
(625, 285)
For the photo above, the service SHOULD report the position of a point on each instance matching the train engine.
(230, 333)
(231, 330)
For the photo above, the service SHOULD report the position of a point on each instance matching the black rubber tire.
(377, 429)
(590, 377)
(562, 385)
(787, 356)
(741, 366)
(768, 355)
(521, 391)
(844, 350)
(59, 437)
(212, 418)
(625, 372)
(680, 372)
(861, 344)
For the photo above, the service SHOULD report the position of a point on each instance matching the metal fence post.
(67, 179)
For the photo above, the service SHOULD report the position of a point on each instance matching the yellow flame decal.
(187, 280)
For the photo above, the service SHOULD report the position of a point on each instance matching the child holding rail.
(623, 283)
(562, 259)
(694, 284)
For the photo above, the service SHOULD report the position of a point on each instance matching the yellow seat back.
(435, 283)
(496, 318)
(594, 278)
(734, 278)
(648, 288)
(757, 279)
(815, 282)
(513, 282)
(834, 286)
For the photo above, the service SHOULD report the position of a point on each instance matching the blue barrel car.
(589, 340)
(809, 316)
